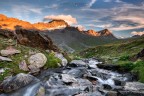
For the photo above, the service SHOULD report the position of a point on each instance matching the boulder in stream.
(16, 82)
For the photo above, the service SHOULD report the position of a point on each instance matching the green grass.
(52, 61)
(114, 50)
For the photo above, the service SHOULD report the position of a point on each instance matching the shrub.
(52, 61)
(124, 58)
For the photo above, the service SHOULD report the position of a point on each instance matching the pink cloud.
(68, 18)
(137, 33)
(81, 28)
(133, 19)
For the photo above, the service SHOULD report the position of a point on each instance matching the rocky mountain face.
(102, 33)
(32, 38)
(10, 23)
(71, 39)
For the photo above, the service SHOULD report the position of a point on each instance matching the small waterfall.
(31, 91)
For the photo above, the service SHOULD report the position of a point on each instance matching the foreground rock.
(9, 51)
(62, 58)
(36, 62)
(5, 59)
(134, 86)
(16, 82)
(23, 66)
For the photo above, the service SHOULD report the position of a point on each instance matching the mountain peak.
(105, 32)
(92, 33)
(2, 17)
(54, 24)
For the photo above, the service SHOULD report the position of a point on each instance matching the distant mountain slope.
(79, 40)
(128, 47)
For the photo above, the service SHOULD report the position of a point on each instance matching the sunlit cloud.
(138, 21)
(137, 33)
(68, 18)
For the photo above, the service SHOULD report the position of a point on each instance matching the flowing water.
(78, 80)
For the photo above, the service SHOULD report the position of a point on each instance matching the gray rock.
(68, 78)
(78, 63)
(16, 82)
(23, 66)
(5, 59)
(112, 93)
(9, 51)
(37, 61)
(62, 58)
(62, 91)
(134, 86)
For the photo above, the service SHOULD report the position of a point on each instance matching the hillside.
(71, 39)
(123, 47)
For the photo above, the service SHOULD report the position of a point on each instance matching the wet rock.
(107, 87)
(134, 86)
(5, 59)
(102, 74)
(78, 72)
(54, 81)
(37, 61)
(23, 66)
(112, 93)
(109, 67)
(41, 91)
(62, 58)
(79, 63)
(16, 82)
(62, 91)
(118, 82)
(93, 79)
(67, 78)
(9, 51)
(130, 93)
(83, 84)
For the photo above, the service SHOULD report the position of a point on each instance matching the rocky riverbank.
(79, 78)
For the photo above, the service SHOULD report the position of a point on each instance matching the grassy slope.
(13, 67)
(120, 53)
(115, 50)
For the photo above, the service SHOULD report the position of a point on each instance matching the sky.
(123, 18)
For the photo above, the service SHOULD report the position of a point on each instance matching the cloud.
(137, 33)
(68, 18)
(137, 21)
(100, 26)
(90, 4)
(124, 27)
(133, 19)
(26, 9)
(53, 6)
(81, 28)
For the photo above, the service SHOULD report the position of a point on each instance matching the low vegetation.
(12, 68)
